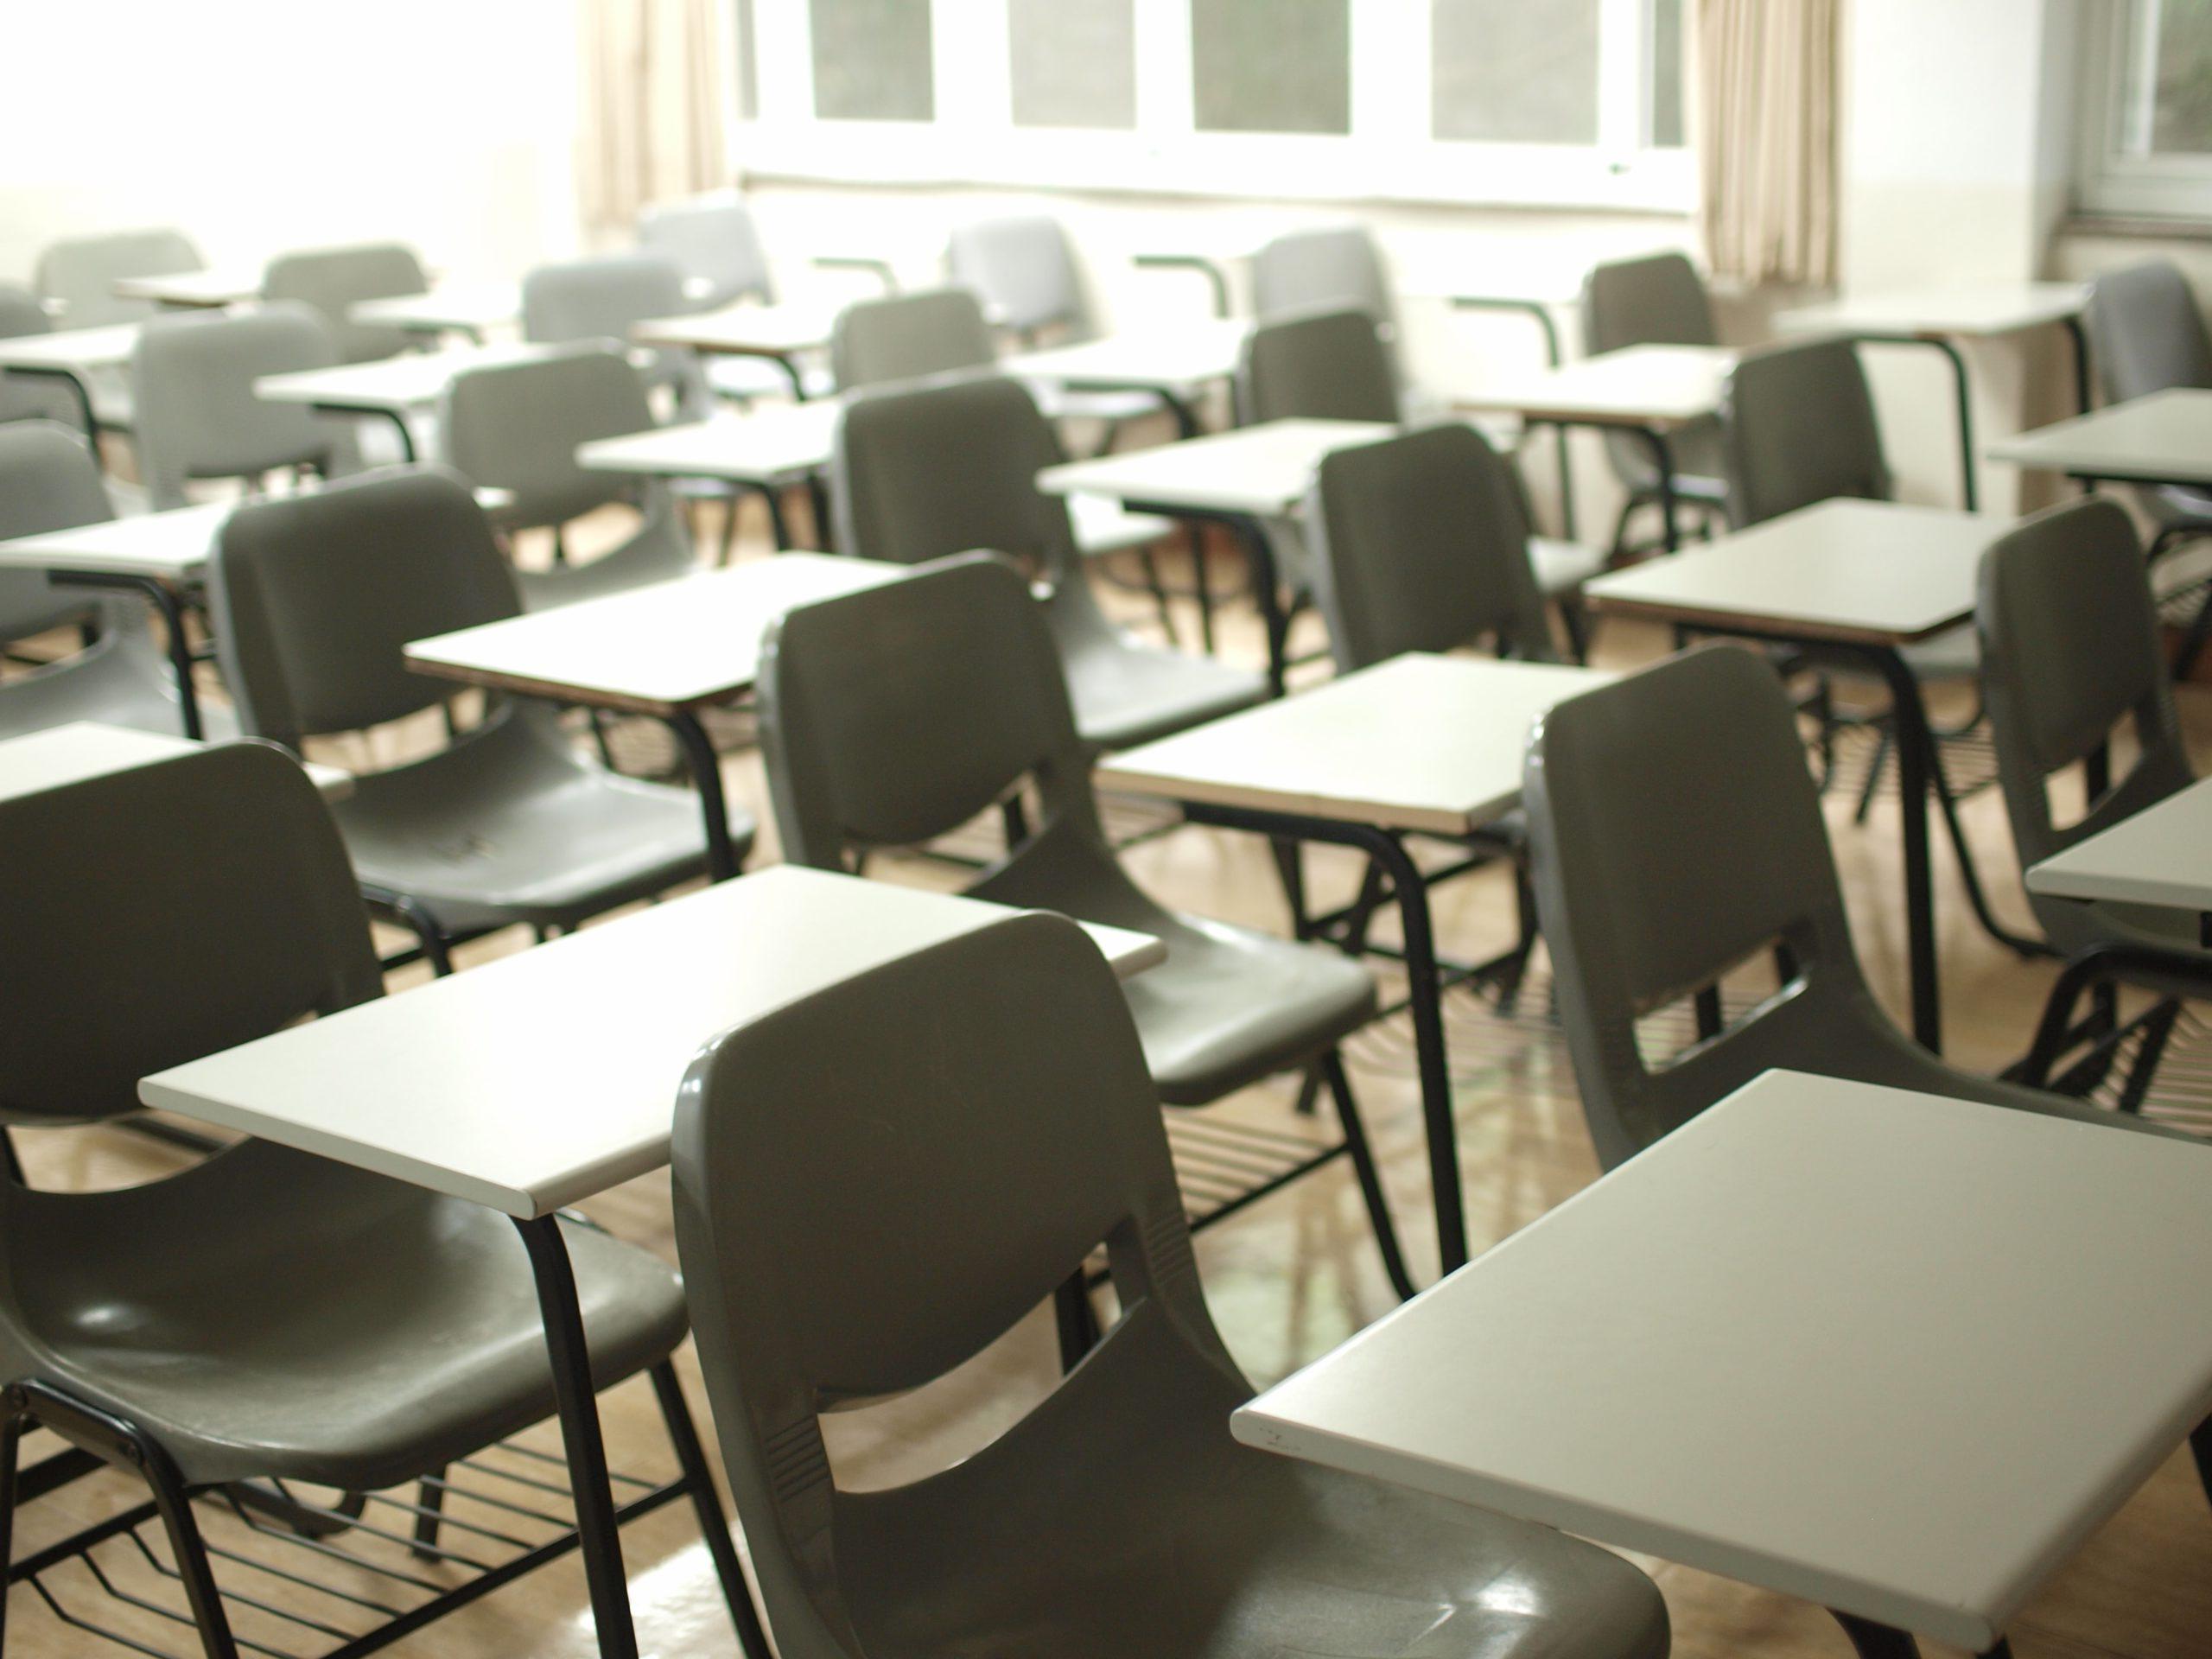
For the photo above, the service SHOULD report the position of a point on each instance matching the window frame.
(2116, 172)
(1388, 156)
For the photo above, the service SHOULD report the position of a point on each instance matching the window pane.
(2181, 117)
(1272, 65)
(1075, 63)
(1666, 89)
(748, 65)
(1522, 72)
(872, 61)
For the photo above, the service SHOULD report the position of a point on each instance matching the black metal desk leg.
(1266, 594)
(1873, 1641)
(707, 776)
(1663, 456)
(601, 1543)
(169, 604)
(2080, 335)
(1916, 759)
(1962, 389)
(792, 373)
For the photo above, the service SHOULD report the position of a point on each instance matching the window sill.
(2138, 226)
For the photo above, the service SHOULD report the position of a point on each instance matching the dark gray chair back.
(601, 298)
(335, 280)
(81, 273)
(713, 238)
(48, 480)
(1657, 300)
(1797, 426)
(23, 399)
(516, 427)
(2147, 332)
(1330, 267)
(909, 337)
(1321, 366)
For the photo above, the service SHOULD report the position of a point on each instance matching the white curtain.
(656, 78)
(1766, 137)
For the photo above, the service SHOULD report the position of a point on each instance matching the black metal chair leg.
(706, 1504)
(430, 1501)
(1873, 777)
(175, 1505)
(1873, 1641)
(1370, 1182)
(2200, 1446)
(1077, 1318)
(11, 1440)
(1158, 587)
(2157, 1028)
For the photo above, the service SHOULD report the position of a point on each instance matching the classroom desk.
(1653, 391)
(1865, 577)
(783, 334)
(1853, 1344)
(1252, 480)
(471, 309)
(1419, 745)
(1939, 318)
(1175, 364)
(393, 387)
(74, 355)
(2164, 438)
(2161, 855)
(193, 290)
(666, 651)
(86, 749)
(533, 1082)
(770, 449)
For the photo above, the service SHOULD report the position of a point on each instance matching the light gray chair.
(80, 273)
(23, 399)
(263, 1315)
(335, 280)
(198, 416)
(516, 427)
(892, 716)
(1676, 835)
(1658, 299)
(715, 242)
(923, 473)
(600, 300)
(860, 1232)
(315, 598)
(49, 482)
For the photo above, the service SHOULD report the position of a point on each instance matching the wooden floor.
(1294, 1274)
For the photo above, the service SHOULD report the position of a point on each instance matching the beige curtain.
(1766, 137)
(655, 78)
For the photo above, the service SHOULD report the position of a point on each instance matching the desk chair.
(1332, 268)
(23, 398)
(892, 716)
(516, 427)
(266, 1315)
(1676, 833)
(1658, 299)
(333, 280)
(198, 418)
(715, 240)
(314, 597)
(995, 1106)
(924, 473)
(81, 273)
(49, 482)
(601, 300)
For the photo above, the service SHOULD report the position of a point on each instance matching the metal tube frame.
(1540, 314)
(77, 384)
(170, 604)
(706, 775)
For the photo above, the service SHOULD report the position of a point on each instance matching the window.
(2147, 109)
(1571, 101)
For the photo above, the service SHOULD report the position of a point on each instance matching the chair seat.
(1068, 403)
(1562, 567)
(648, 558)
(1126, 694)
(270, 1313)
(118, 681)
(1188, 1543)
(749, 378)
(511, 825)
(1104, 525)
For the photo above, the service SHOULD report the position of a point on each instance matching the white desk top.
(2166, 438)
(396, 385)
(469, 308)
(1182, 359)
(1869, 572)
(535, 1081)
(1419, 742)
(1942, 313)
(1662, 386)
(745, 330)
(169, 546)
(194, 289)
(85, 748)
(654, 650)
(2161, 855)
(1893, 1354)
(1264, 470)
(773, 445)
(72, 350)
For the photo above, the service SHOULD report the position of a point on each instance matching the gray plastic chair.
(1658, 299)
(315, 598)
(909, 336)
(1316, 365)
(2147, 333)
(601, 300)
(1798, 427)
(49, 482)
(892, 716)
(516, 426)
(715, 240)
(923, 473)
(81, 272)
(335, 280)
(238, 1321)
(1676, 834)
(1027, 273)
(860, 1232)
(21, 397)
(198, 418)
(1328, 267)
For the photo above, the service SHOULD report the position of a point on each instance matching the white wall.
(263, 125)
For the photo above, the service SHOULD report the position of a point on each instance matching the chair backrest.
(714, 237)
(21, 313)
(1675, 831)
(1319, 366)
(909, 337)
(196, 412)
(2147, 332)
(2069, 649)
(81, 272)
(516, 426)
(335, 280)
(1657, 300)
(854, 1230)
(602, 298)
(892, 715)
(1797, 426)
(316, 596)
(48, 480)
(1330, 267)
(1025, 270)
(1420, 544)
(180, 908)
